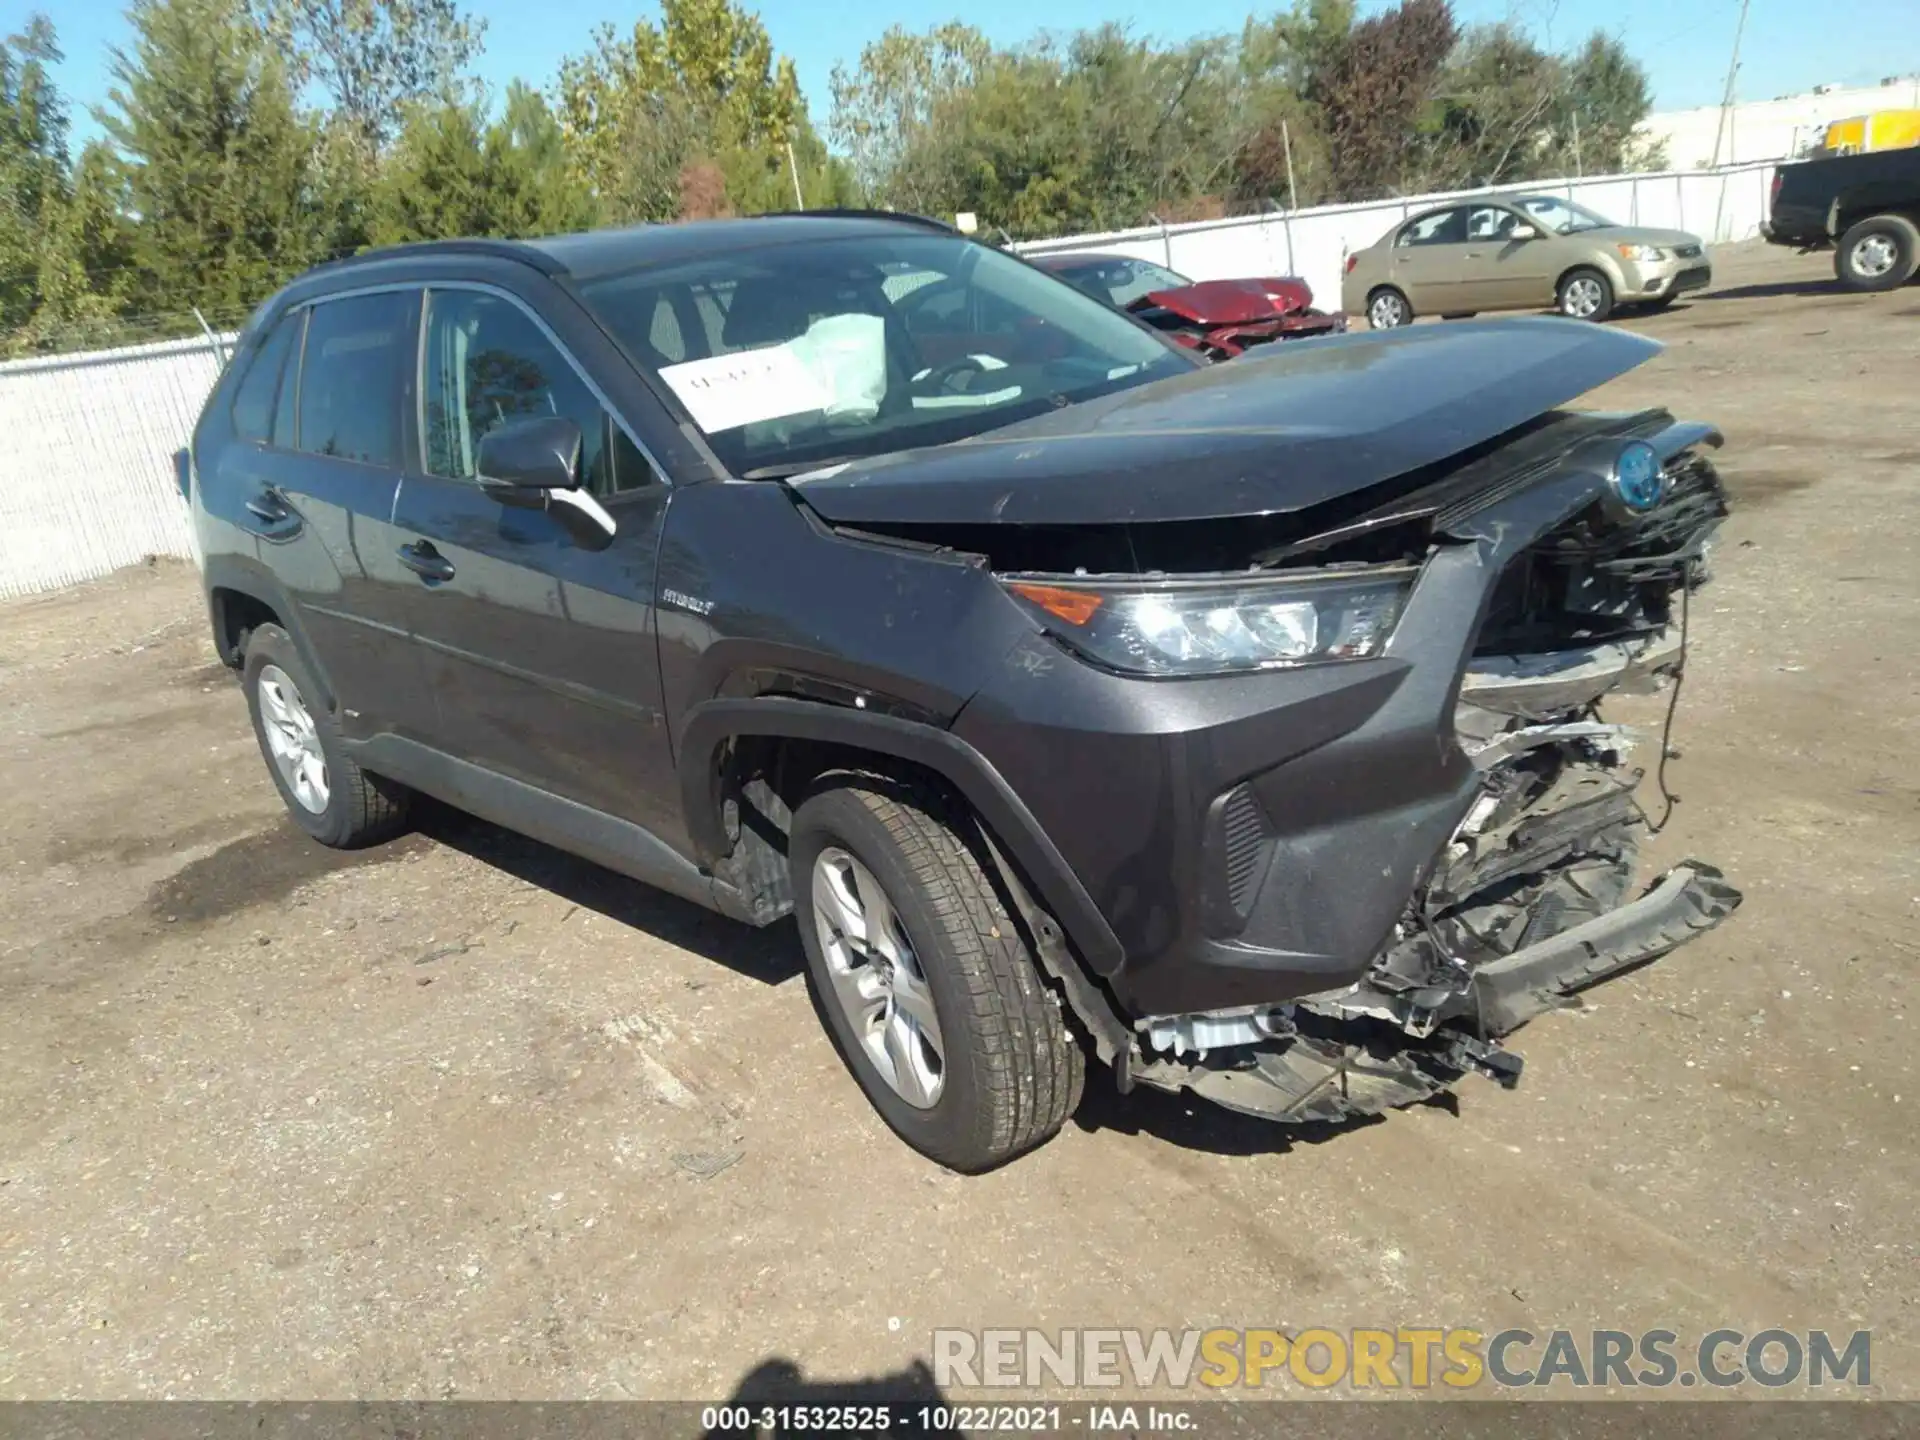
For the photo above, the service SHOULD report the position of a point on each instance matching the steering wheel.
(938, 378)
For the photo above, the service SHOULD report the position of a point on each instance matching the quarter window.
(357, 360)
(488, 363)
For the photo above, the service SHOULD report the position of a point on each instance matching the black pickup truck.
(1865, 208)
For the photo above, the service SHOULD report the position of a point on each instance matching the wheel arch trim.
(711, 724)
(224, 573)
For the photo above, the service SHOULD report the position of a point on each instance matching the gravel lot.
(466, 1117)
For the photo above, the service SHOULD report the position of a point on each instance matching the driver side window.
(488, 363)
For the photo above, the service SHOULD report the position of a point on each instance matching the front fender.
(710, 725)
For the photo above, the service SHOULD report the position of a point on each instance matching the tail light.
(1779, 179)
(1354, 259)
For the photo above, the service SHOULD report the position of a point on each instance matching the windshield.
(805, 354)
(1120, 282)
(1562, 217)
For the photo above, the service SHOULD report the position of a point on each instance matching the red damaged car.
(1220, 318)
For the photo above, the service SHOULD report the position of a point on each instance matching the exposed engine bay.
(1528, 903)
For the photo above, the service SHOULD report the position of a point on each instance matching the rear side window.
(255, 401)
(359, 352)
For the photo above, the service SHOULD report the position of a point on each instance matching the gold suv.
(1519, 252)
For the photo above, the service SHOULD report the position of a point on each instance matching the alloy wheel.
(877, 979)
(1582, 298)
(1386, 312)
(292, 739)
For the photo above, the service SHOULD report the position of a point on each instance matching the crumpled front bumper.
(1341, 1069)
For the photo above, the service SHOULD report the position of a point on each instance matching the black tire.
(360, 809)
(1866, 246)
(1011, 1072)
(1385, 300)
(1574, 283)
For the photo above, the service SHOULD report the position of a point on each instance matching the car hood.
(1234, 302)
(1639, 235)
(1281, 430)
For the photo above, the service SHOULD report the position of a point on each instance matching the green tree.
(704, 88)
(885, 108)
(86, 266)
(374, 58)
(1608, 95)
(33, 164)
(451, 173)
(218, 166)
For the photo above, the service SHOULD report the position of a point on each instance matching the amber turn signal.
(1076, 607)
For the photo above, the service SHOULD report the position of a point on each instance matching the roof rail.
(502, 249)
(854, 212)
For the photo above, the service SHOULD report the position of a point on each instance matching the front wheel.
(1879, 253)
(1584, 295)
(924, 981)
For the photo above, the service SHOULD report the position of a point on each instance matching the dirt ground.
(465, 1117)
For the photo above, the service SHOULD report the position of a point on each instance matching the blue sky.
(1790, 45)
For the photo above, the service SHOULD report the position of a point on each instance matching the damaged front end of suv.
(1314, 710)
(1532, 898)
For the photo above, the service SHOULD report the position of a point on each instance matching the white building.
(1772, 129)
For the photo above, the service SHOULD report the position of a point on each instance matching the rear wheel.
(1584, 295)
(1879, 253)
(328, 796)
(1387, 309)
(923, 979)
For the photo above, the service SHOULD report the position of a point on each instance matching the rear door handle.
(426, 562)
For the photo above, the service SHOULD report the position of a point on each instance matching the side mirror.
(1523, 232)
(540, 452)
(534, 464)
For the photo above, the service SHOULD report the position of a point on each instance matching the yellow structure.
(1883, 130)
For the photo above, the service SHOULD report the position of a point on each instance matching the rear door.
(539, 646)
(322, 500)
(1430, 259)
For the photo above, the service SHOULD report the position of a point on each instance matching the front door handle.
(426, 562)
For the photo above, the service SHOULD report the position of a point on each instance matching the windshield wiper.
(791, 468)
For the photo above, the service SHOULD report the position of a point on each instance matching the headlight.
(1641, 252)
(1213, 627)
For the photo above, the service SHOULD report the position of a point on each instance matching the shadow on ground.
(907, 1402)
(1777, 288)
(770, 956)
(1195, 1124)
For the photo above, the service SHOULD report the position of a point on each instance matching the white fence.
(86, 467)
(86, 475)
(1718, 205)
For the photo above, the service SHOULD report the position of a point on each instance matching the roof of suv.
(592, 253)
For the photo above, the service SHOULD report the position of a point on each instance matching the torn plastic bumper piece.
(1335, 1069)
(1689, 899)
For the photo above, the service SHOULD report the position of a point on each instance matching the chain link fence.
(86, 458)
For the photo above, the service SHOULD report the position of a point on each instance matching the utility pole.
(793, 169)
(1286, 144)
(1726, 100)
